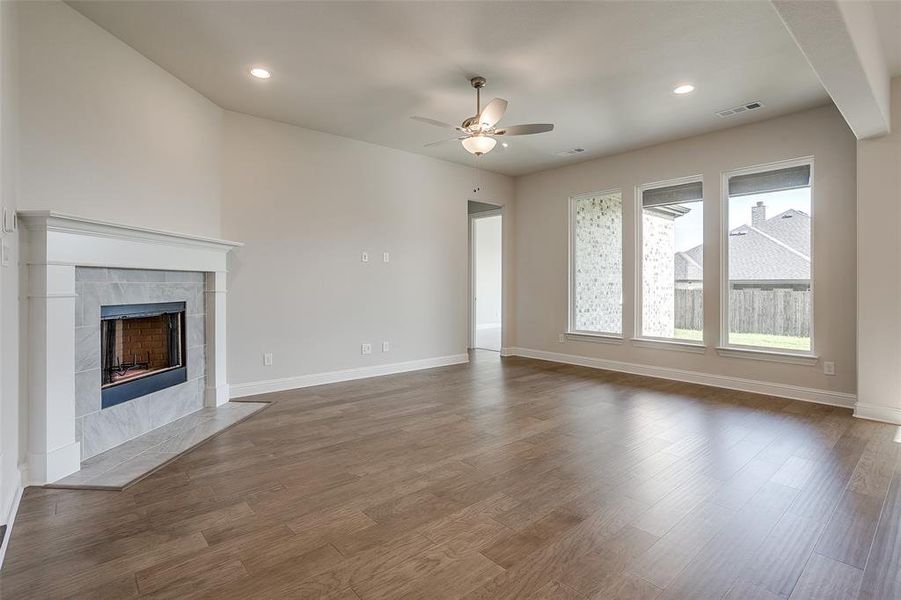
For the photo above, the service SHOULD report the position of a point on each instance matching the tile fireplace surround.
(101, 429)
(75, 264)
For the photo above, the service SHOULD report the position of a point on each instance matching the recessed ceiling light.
(505, 145)
(685, 88)
(260, 73)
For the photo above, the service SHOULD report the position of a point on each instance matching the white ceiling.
(602, 72)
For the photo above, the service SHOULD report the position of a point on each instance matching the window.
(672, 261)
(596, 293)
(768, 300)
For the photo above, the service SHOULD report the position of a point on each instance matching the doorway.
(486, 248)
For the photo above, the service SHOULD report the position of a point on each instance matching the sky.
(690, 227)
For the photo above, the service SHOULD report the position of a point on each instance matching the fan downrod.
(478, 82)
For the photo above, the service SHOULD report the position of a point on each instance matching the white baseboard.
(54, 465)
(781, 390)
(240, 390)
(11, 512)
(215, 395)
(878, 413)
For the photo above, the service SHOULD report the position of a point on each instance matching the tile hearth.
(130, 462)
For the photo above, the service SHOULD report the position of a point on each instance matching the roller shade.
(770, 181)
(674, 194)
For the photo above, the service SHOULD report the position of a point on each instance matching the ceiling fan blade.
(525, 129)
(453, 139)
(436, 123)
(493, 112)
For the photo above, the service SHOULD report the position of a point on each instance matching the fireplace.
(142, 350)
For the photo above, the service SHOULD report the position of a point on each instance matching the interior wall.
(91, 128)
(480, 207)
(102, 132)
(107, 134)
(9, 274)
(488, 270)
(542, 248)
(307, 204)
(879, 270)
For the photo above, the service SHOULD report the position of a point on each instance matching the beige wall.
(106, 134)
(879, 270)
(488, 274)
(92, 128)
(307, 204)
(541, 244)
(9, 276)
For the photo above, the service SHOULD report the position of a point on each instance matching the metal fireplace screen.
(142, 350)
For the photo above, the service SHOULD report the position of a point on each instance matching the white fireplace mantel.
(56, 244)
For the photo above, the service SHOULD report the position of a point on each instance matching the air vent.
(571, 152)
(731, 112)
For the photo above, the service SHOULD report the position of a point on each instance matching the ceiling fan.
(478, 133)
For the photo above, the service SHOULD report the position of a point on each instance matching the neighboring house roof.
(690, 264)
(778, 249)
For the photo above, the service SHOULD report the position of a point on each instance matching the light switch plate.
(5, 251)
(366, 349)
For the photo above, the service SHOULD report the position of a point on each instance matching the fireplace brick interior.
(146, 339)
(138, 345)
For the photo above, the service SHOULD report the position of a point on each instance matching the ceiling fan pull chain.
(475, 165)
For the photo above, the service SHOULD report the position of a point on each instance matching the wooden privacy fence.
(774, 312)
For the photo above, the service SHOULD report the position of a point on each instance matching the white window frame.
(800, 357)
(571, 332)
(640, 339)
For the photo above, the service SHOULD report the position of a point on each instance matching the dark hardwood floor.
(511, 480)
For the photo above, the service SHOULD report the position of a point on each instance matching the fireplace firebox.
(142, 350)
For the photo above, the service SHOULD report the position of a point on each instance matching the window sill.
(597, 338)
(791, 358)
(664, 344)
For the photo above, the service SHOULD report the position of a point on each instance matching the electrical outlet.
(364, 257)
(386, 346)
(829, 368)
(267, 359)
(386, 257)
(366, 349)
(561, 338)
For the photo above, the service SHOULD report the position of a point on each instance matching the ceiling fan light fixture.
(479, 144)
(478, 132)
